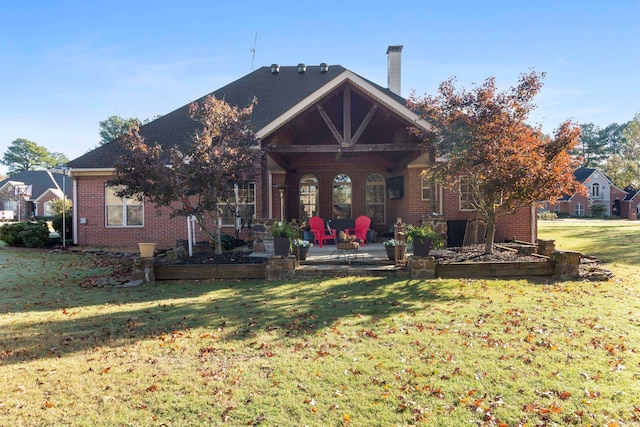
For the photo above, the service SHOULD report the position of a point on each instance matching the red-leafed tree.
(198, 178)
(482, 141)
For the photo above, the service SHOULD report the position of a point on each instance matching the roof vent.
(324, 67)
(302, 68)
(275, 68)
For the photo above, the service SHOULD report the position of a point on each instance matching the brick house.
(630, 207)
(30, 193)
(337, 145)
(599, 190)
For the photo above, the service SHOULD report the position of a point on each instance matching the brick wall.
(158, 226)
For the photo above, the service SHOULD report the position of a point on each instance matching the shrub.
(228, 242)
(598, 210)
(547, 215)
(33, 234)
(57, 224)
(10, 234)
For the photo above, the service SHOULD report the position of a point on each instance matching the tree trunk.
(490, 236)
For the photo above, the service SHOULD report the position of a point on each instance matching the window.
(426, 189)
(595, 190)
(309, 197)
(341, 196)
(556, 208)
(48, 209)
(466, 199)
(123, 211)
(10, 205)
(246, 204)
(578, 209)
(375, 192)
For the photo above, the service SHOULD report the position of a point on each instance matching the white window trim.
(426, 184)
(124, 211)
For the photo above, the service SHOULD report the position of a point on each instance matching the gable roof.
(582, 174)
(280, 96)
(41, 181)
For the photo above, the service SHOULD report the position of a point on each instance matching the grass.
(335, 352)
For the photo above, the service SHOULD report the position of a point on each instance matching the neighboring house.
(599, 190)
(631, 204)
(29, 194)
(337, 145)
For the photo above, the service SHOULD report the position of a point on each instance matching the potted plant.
(301, 248)
(423, 238)
(390, 248)
(283, 234)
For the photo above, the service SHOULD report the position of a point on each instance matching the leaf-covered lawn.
(347, 351)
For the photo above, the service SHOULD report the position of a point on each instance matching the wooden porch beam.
(330, 124)
(361, 148)
(364, 123)
(346, 118)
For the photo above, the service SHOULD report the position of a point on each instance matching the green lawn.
(347, 351)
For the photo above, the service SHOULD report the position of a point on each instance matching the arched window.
(595, 190)
(341, 196)
(309, 197)
(375, 191)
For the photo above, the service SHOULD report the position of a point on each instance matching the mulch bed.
(475, 253)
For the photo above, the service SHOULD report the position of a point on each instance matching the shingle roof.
(40, 180)
(275, 93)
(582, 174)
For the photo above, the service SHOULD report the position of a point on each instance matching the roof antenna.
(253, 50)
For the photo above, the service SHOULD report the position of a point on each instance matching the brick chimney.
(394, 69)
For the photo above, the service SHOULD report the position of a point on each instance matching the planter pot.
(421, 247)
(391, 252)
(301, 252)
(281, 246)
(147, 249)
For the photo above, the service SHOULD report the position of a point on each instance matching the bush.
(598, 210)
(10, 234)
(228, 242)
(57, 224)
(33, 234)
(547, 215)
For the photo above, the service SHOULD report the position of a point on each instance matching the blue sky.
(67, 65)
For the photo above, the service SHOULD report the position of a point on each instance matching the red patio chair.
(362, 226)
(321, 234)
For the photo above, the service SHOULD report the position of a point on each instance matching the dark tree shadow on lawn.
(238, 309)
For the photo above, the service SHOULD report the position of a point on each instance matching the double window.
(595, 190)
(578, 209)
(122, 211)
